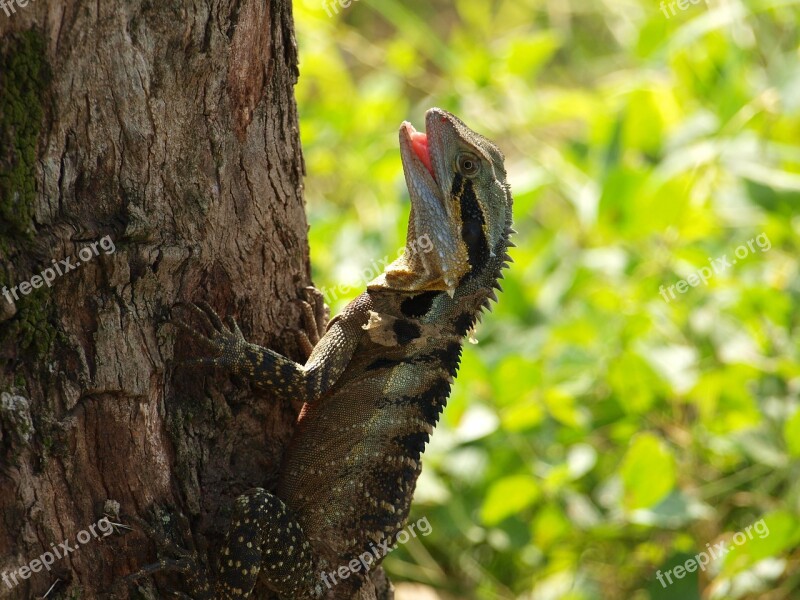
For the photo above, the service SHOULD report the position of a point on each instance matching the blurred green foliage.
(597, 433)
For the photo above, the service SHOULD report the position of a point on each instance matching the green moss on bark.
(31, 328)
(24, 82)
(24, 79)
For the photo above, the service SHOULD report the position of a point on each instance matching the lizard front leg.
(269, 370)
(231, 351)
(264, 538)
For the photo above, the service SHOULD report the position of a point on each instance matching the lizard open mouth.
(418, 142)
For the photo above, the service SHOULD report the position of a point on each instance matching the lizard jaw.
(432, 216)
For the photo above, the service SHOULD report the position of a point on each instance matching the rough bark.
(170, 130)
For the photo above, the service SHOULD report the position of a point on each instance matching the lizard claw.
(315, 319)
(204, 307)
(193, 333)
(306, 345)
(322, 312)
(183, 560)
(226, 340)
(162, 541)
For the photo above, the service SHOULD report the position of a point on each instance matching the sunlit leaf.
(509, 496)
(648, 472)
(791, 433)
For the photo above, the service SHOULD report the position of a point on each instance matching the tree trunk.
(149, 154)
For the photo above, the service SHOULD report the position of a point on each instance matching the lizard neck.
(487, 271)
(477, 288)
(455, 314)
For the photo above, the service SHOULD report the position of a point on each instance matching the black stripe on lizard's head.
(460, 206)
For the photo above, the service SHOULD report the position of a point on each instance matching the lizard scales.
(374, 384)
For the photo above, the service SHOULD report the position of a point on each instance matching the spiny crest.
(504, 264)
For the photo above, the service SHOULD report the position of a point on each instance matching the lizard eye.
(468, 164)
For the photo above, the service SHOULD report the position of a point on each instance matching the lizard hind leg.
(185, 561)
(316, 315)
(322, 313)
(265, 540)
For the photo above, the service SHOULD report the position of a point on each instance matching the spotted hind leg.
(265, 540)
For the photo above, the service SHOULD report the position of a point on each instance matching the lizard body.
(375, 383)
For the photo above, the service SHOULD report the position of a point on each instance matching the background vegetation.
(597, 433)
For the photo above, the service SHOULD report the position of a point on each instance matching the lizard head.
(460, 205)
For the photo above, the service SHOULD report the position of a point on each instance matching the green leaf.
(648, 472)
(550, 525)
(768, 537)
(509, 496)
(791, 433)
(634, 383)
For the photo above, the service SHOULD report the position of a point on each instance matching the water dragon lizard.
(374, 384)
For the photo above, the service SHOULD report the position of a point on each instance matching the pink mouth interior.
(419, 143)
